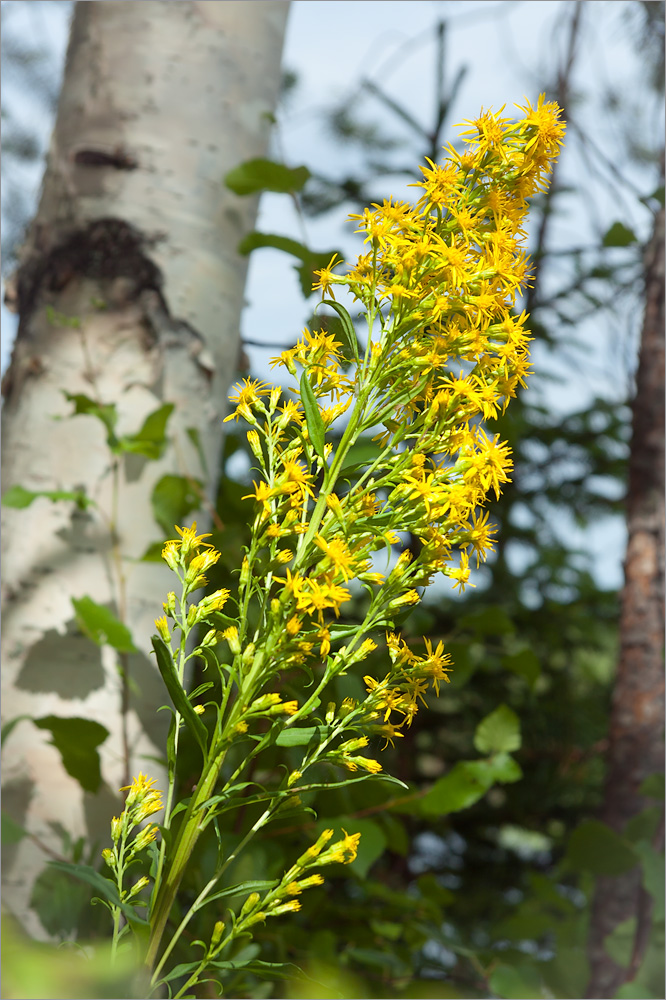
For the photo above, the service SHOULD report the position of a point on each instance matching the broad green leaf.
(173, 499)
(347, 324)
(460, 788)
(525, 664)
(105, 412)
(257, 241)
(653, 787)
(77, 740)
(265, 175)
(59, 901)
(619, 235)
(499, 732)
(178, 696)
(102, 626)
(312, 416)
(104, 886)
(654, 875)
(301, 737)
(150, 440)
(19, 497)
(516, 982)
(503, 768)
(594, 847)
(11, 831)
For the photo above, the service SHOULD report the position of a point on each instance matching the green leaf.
(312, 416)
(525, 664)
(19, 497)
(654, 876)
(619, 235)
(104, 412)
(460, 788)
(347, 324)
(653, 787)
(59, 901)
(256, 885)
(151, 440)
(195, 438)
(56, 318)
(77, 740)
(265, 175)
(499, 732)
(102, 626)
(516, 982)
(106, 889)
(503, 768)
(301, 737)
(178, 696)
(173, 499)
(594, 847)
(257, 241)
(8, 727)
(11, 831)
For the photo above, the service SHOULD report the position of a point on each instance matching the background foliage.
(477, 882)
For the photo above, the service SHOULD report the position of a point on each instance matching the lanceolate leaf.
(177, 694)
(347, 324)
(106, 889)
(312, 416)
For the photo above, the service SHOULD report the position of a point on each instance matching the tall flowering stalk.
(444, 350)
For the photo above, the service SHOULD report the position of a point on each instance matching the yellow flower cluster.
(445, 351)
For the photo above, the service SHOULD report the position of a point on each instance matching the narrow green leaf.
(19, 497)
(264, 885)
(499, 732)
(265, 175)
(103, 886)
(180, 700)
(312, 416)
(8, 727)
(301, 737)
(102, 626)
(347, 324)
(77, 740)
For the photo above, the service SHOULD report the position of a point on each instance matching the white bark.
(160, 100)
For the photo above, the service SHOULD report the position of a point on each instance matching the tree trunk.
(129, 292)
(636, 748)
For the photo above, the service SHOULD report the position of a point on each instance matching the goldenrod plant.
(444, 349)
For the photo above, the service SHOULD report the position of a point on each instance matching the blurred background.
(492, 895)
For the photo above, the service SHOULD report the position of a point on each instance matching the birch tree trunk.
(129, 292)
(636, 742)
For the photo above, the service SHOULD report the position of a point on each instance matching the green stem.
(192, 826)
